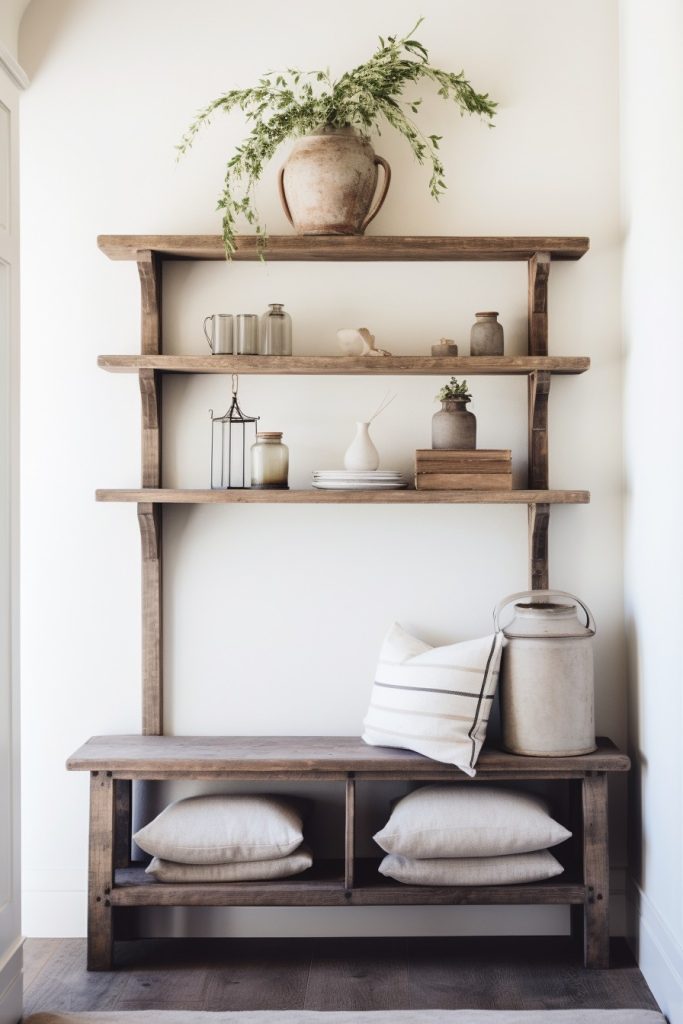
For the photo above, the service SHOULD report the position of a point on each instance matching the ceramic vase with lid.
(546, 683)
(454, 427)
(486, 336)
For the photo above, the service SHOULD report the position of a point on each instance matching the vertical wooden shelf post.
(149, 516)
(596, 870)
(538, 392)
(101, 872)
(350, 834)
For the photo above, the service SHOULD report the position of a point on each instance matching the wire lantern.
(229, 444)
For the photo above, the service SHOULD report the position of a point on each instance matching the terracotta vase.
(328, 182)
(454, 427)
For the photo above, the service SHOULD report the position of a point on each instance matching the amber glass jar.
(269, 462)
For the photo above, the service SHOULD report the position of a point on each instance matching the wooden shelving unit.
(115, 762)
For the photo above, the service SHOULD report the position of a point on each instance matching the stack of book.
(484, 469)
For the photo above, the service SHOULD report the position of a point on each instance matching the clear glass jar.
(269, 462)
(276, 332)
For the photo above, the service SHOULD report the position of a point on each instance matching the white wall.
(11, 942)
(274, 615)
(652, 160)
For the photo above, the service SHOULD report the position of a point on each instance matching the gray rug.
(354, 1017)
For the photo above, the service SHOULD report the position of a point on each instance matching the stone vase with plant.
(454, 426)
(329, 180)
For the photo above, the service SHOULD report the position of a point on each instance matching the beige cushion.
(435, 700)
(238, 871)
(223, 828)
(518, 867)
(466, 820)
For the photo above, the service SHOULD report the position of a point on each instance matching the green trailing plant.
(454, 389)
(285, 105)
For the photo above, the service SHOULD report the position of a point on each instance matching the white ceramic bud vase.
(361, 453)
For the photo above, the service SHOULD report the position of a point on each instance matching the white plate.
(331, 485)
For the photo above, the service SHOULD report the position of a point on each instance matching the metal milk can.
(546, 684)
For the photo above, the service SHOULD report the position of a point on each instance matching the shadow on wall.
(43, 22)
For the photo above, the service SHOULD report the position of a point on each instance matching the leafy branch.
(454, 389)
(287, 104)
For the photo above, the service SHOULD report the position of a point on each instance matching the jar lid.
(487, 313)
(269, 435)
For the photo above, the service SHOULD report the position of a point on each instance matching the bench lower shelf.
(323, 886)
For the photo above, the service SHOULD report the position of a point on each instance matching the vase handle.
(283, 197)
(378, 204)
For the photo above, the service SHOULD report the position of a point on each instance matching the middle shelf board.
(349, 365)
(249, 495)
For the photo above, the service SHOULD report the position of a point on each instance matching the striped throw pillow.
(434, 700)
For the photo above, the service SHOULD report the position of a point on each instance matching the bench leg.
(101, 872)
(595, 871)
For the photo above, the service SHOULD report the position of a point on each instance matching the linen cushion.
(222, 828)
(469, 821)
(237, 871)
(434, 700)
(518, 867)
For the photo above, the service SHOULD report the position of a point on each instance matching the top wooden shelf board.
(164, 756)
(346, 247)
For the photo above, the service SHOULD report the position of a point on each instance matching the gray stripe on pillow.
(432, 689)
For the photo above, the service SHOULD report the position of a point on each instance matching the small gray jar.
(454, 427)
(486, 336)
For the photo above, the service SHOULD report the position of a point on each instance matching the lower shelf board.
(323, 886)
(408, 496)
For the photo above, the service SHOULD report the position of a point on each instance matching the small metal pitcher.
(546, 684)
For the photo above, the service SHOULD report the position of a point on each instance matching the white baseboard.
(658, 951)
(11, 986)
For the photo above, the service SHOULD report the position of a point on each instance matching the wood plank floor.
(331, 974)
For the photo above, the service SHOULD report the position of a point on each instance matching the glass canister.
(269, 461)
(276, 332)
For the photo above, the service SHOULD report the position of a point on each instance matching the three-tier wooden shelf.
(115, 762)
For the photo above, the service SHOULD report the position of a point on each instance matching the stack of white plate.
(358, 480)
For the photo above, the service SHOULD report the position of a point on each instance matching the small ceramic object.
(453, 427)
(446, 347)
(328, 182)
(361, 453)
(350, 341)
(358, 341)
(546, 683)
(486, 336)
(369, 348)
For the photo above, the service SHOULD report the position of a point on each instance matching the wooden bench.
(114, 761)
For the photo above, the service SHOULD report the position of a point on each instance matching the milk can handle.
(590, 622)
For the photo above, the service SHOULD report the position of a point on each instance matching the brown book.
(496, 454)
(464, 481)
(469, 466)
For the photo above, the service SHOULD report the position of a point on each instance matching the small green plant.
(285, 105)
(454, 389)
